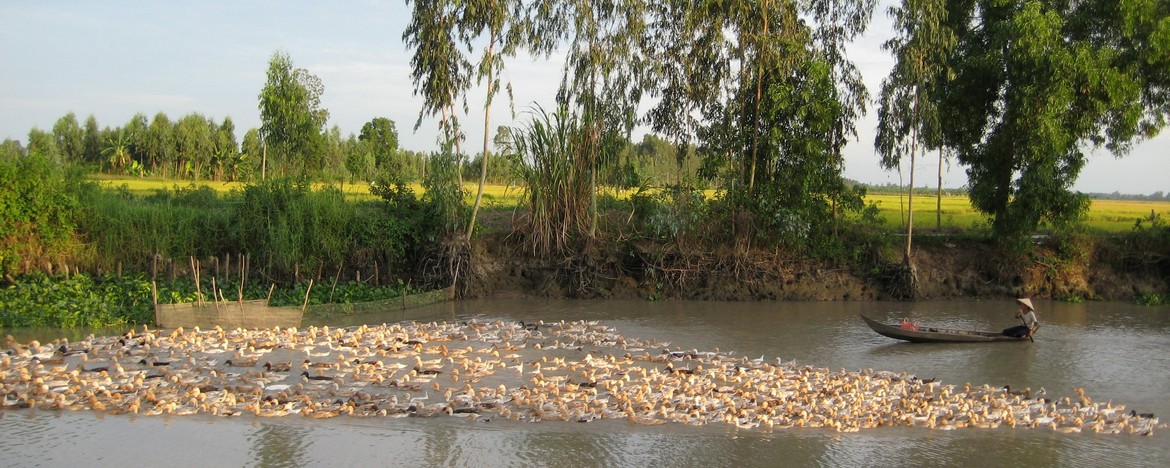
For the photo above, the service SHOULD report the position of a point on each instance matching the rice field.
(1104, 216)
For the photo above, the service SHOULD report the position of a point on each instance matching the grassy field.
(1105, 216)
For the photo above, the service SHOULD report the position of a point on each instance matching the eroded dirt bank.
(946, 269)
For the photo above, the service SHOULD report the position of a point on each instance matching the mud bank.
(946, 268)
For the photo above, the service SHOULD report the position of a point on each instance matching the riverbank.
(948, 267)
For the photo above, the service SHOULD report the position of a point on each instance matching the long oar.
(1029, 329)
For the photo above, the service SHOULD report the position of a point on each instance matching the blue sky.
(113, 59)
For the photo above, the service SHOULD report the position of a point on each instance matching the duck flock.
(481, 370)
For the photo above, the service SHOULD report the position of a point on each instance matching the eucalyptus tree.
(137, 127)
(158, 143)
(194, 140)
(251, 154)
(225, 152)
(333, 153)
(380, 140)
(43, 144)
(360, 161)
(766, 92)
(1039, 82)
(440, 71)
(292, 120)
(500, 23)
(605, 75)
(11, 150)
(908, 119)
(91, 141)
(69, 138)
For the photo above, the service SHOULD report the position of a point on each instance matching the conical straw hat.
(1026, 302)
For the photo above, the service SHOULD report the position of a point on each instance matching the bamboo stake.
(154, 297)
(306, 303)
(214, 295)
(241, 293)
(335, 278)
(247, 267)
(195, 276)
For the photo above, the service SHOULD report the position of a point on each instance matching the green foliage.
(501, 168)
(87, 301)
(292, 120)
(1151, 299)
(41, 143)
(117, 151)
(349, 292)
(439, 70)
(38, 211)
(68, 135)
(129, 231)
(443, 194)
(80, 301)
(11, 150)
(289, 228)
(1036, 83)
(677, 214)
(401, 227)
(381, 140)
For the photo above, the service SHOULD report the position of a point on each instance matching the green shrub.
(38, 209)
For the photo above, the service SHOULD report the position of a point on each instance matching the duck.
(1025, 393)
(278, 366)
(240, 362)
(1135, 414)
(319, 377)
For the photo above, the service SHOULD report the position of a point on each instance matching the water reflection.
(278, 445)
(440, 446)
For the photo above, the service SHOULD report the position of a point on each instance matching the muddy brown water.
(1115, 351)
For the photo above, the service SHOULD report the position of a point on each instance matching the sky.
(113, 59)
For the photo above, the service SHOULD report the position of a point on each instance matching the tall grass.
(289, 229)
(554, 178)
(127, 231)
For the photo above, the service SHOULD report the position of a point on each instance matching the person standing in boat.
(1026, 312)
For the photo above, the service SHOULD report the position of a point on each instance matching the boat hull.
(924, 334)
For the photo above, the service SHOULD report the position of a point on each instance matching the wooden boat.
(925, 334)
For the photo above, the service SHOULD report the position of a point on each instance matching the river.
(1114, 351)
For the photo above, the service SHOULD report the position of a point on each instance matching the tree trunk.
(938, 205)
(458, 153)
(759, 96)
(483, 162)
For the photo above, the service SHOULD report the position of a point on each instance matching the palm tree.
(117, 150)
